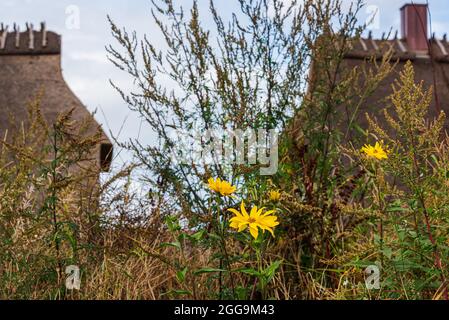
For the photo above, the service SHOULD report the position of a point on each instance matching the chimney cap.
(413, 5)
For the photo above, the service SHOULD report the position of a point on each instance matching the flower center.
(251, 220)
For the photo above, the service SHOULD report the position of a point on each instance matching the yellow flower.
(254, 220)
(274, 195)
(375, 152)
(222, 187)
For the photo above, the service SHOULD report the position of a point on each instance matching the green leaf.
(181, 275)
(388, 252)
(359, 129)
(397, 209)
(182, 237)
(271, 270)
(242, 293)
(172, 223)
(249, 271)
(197, 236)
(171, 244)
(406, 265)
(434, 158)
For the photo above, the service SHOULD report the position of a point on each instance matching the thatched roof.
(363, 48)
(30, 64)
(431, 67)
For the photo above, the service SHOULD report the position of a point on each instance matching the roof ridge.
(31, 42)
(363, 47)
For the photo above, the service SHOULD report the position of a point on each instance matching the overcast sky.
(86, 69)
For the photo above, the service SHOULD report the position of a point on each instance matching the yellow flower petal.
(222, 187)
(243, 226)
(254, 231)
(269, 212)
(376, 152)
(238, 214)
(253, 213)
(274, 195)
(234, 224)
(255, 220)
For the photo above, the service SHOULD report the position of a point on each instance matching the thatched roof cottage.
(30, 64)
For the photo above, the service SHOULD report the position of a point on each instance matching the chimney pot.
(4, 35)
(44, 34)
(414, 26)
(17, 37)
(30, 29)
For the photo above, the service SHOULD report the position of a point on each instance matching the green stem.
(224, 252)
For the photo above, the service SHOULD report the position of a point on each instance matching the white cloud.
(96, 56)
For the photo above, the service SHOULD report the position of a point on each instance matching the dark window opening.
(106, 152)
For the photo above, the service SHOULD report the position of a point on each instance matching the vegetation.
(344, 198)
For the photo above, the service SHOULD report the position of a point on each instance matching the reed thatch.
(30, 66)
(431, 67)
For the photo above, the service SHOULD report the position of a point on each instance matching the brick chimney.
(414, 26)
